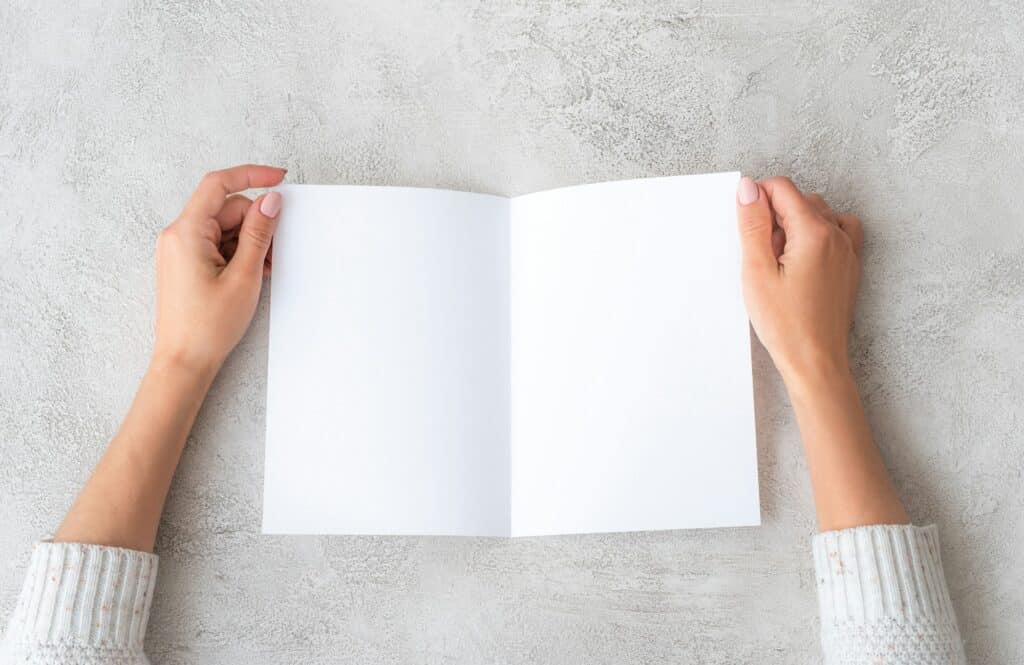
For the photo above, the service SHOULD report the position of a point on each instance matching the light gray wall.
(910, 114)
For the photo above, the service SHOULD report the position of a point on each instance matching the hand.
(210, 264)
(801, 270)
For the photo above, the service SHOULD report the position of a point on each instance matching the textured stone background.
(910, 114)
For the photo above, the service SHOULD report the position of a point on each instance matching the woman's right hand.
(801, 270)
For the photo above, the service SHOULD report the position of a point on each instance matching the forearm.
(881, 588)
(851, 484)
(121, 503)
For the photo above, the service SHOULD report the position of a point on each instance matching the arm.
(801, 271)
(204, 305)
(91, 587)
(882, 592)
(121, 504)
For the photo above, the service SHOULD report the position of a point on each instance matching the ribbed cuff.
(85, 594)
(868, 574)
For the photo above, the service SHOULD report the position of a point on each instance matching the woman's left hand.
(210, 266)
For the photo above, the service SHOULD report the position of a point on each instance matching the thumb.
(255, 234)
(754, 217)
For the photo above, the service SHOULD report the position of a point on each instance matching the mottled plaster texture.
(910, 114)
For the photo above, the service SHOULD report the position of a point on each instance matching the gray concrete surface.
(910, 114)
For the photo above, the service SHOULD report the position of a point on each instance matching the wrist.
(183, 366)
(820, 377)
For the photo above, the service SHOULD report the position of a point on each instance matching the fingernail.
(271, 204)
(747, 191)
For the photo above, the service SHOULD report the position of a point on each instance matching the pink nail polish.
(747, 192)
(271, 204)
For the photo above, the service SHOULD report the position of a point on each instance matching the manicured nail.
(747, 192)
(271, 204)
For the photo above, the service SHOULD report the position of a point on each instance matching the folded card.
(575, 360)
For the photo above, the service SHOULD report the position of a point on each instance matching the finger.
(754, 218)
(215, 186)
(788, 202)
(256, 234)
(850, 224)
(821, 206)
(233, 212)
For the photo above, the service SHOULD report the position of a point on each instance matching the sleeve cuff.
(876, 573)
(85, 594)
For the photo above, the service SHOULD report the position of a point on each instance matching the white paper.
(449, 363)
(632, 403)
(387, 387)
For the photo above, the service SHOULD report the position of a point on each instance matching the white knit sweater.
(82, 604)
(882, 593)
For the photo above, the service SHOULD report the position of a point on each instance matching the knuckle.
(211, 180)
(166, 236)
(754, 230)
(852, 226)
(820, 234)
(165, 240)
(754, 219)
(782, 180)
(259, 235)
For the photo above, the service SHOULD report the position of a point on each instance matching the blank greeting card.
(571, 361)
